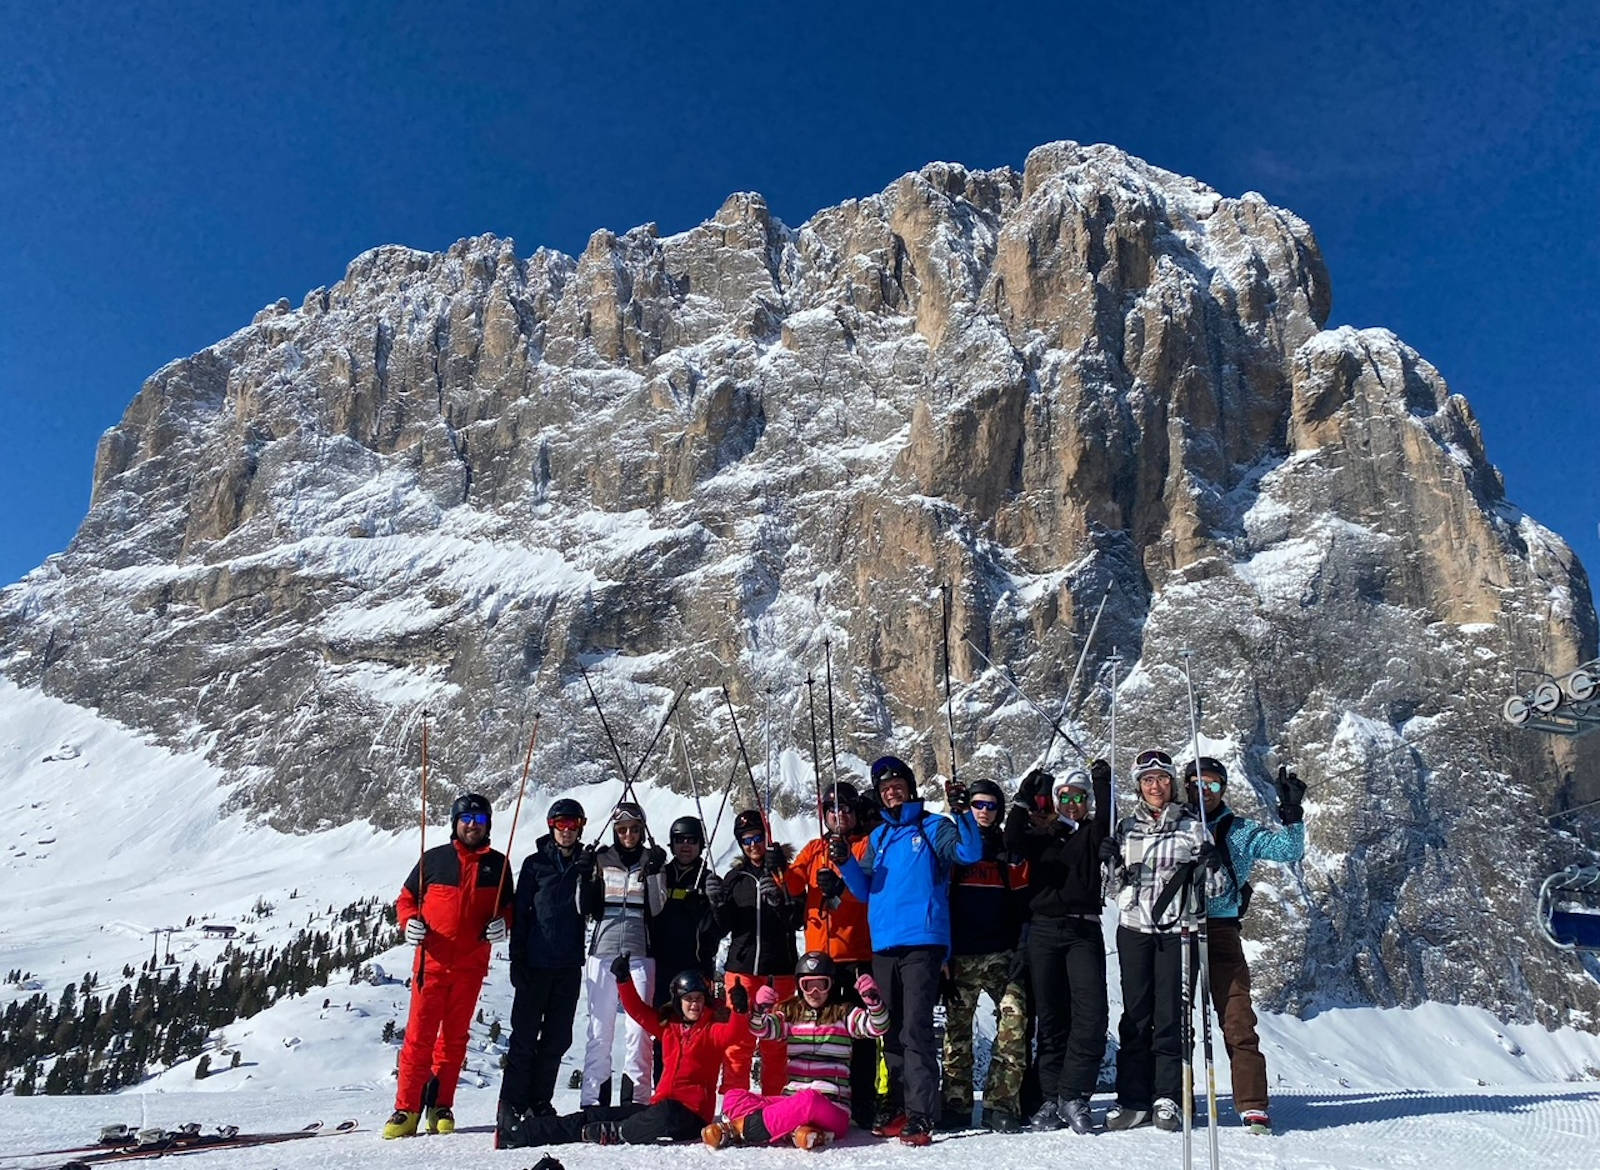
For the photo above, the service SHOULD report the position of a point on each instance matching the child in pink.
(818, 1026)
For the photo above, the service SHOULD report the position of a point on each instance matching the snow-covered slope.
(136, 841)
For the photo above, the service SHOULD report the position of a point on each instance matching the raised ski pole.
(422, 853)
(733, 774)
(739, 739)
(833, 741)
(649, 748)
(816, 753)
(1072, 685)
(766, 718)
(949, 700)
(1204, 958)
(616, 752)
(527, 766)
(1005, 677)
(683, 747)
(1116, 665)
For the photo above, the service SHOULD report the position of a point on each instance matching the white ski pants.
(601, 986)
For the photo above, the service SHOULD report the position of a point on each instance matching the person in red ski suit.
(685, 1100)
(464, 909)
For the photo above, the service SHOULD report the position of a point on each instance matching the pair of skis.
(121, 1143)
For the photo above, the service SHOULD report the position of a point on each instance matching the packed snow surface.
(109, 838)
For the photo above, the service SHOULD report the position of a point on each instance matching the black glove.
(947, 987)
(1291, 796)
(548, 1162)
(1035, 784)
(838, 849)
(655, 860)
(1209, 856)
(620, 967)
(1100, 772)
(957, 797)
(520, 975)
(830, 883)
(739, 998)
(711, 887)
(775, 860)
(585, 861)
(1018, 964)
(768, 889)
(1110, 851)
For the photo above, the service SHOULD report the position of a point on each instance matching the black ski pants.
(1150, 1061)
(1067, 966)
(542, 1012)
(909, 979)
(863, 1055)
(641, 1125)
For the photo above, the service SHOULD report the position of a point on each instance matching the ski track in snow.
(114, 837)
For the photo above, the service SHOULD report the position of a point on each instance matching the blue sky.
(166, 171)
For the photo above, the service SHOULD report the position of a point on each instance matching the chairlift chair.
(1569, 909)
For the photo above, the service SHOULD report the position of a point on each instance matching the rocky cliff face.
(450, 479)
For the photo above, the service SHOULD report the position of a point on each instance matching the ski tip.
(346, 1126)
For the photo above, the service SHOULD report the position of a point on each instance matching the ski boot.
(1001, 1121)
(953, 1118)
(1168, 1116)
(918, 1131)
(602, 1133)
(811, 1137)
(1257, 1121)
(1075, 1112)
(723, 1133)
(1125, 1117)
(401, 1124)
(889, 1122)
(441, 1120)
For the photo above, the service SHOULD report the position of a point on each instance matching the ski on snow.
(124, 1144)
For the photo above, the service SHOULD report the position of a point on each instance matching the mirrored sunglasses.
(1071, 796)
(986, 804)
(473, 818)
(754, 839)
(1210, 785)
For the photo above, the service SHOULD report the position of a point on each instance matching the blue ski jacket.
(1248, 842)
(903, 874)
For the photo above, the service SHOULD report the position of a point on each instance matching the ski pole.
(1072, 685)
(683, 746)
(816, 754)
(949, 702)
(739, 739)
(1204, 961)
(616, 752)
(733, 774)
(649, 749)
(833, 742)
(1186, 1034)
(1005, 677)
(527, 766)
(422, 853)
(766, 716)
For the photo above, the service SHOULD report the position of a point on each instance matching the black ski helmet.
(687, 829)
(690, 982)
(565, 809)
(841, 795)
(747, 822)
(987, 788)
(885, 767)
(816, 963)
(471, 802)
(1210, 766)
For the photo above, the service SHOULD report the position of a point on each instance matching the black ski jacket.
(988, 899)
(1064, 874)
(742, 909)
(547, 930)
(684, 932)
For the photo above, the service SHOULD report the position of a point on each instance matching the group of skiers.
(901, 908)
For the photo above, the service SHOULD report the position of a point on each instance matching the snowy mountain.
(694, 460)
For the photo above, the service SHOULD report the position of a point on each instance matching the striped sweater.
(819, 1041)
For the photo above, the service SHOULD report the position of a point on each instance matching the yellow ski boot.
(401, 1124)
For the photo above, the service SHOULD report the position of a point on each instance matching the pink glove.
(867, 989)
(766, 996)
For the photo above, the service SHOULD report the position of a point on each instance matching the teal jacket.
(1249, 842)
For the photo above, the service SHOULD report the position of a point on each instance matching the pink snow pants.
(784, 1115)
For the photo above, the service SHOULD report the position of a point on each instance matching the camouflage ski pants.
(972, 975)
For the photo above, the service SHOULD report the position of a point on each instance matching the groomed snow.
(109, 837)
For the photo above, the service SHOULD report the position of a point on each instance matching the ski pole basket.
(1569, 909)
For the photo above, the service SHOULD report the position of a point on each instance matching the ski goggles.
(473, 819)
(565, 824)
(1154, 761)
(815, 982)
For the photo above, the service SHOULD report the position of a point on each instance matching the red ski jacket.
(458, 900)
(691, 1054)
